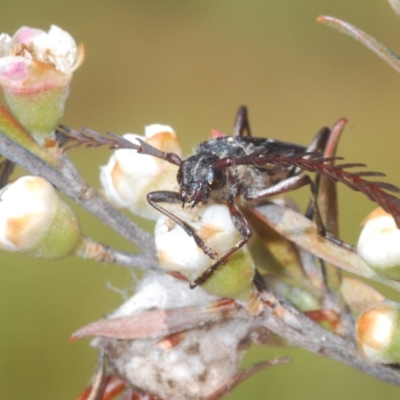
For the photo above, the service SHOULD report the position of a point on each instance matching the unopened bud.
(378, 332)
(177, 251)
(35, 221)
(35, 72)
(129, 175)
(379, 244)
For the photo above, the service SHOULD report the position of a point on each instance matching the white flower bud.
(378, 244)
(35, 221)
(177, 251)
(129, 176)
(377, 332)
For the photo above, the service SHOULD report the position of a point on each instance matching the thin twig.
(96, 251)
(378, 48)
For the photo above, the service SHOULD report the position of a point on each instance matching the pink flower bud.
(35, 71)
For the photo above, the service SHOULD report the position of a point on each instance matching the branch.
(287, 322)
(88, 198)
(277, 316)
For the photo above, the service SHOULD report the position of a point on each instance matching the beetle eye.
(215, 178)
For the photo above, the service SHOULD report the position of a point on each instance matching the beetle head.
(197, 178)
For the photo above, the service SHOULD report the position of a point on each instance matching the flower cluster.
(35, 72)
(127, 179)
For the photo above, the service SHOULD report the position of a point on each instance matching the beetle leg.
(6, 169)
(173, 198)
(320, 140)
(287, 185)
(243, 227)
(319, 144)
(327, 188)
(241, 125)
(327, 141)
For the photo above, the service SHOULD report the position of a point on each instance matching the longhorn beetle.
(250, 170)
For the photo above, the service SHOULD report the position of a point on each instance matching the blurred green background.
(190, 64)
